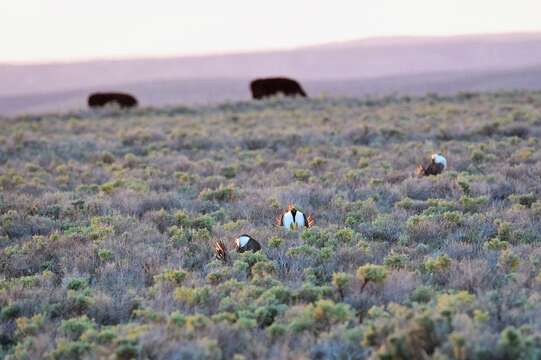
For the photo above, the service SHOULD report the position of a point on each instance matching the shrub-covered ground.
(107, 224)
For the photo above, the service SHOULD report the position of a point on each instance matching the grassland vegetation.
(108, 220)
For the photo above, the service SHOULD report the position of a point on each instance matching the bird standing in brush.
(294, 219)
(242, 243)
(437, 165)
(247, 243)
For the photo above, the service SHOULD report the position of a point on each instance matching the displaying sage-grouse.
(242, 243)
(294, 219)
(437, 164)
(247, 243)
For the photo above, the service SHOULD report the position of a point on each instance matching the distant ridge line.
(373, 40)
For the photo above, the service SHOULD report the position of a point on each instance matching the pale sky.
(67, 30)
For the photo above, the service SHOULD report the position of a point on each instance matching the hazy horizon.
(75, 31)
(379, 39)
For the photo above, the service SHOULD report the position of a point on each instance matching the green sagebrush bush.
(361, 211)
(320, 316)
(371, 273)
(75, 327)
(176, 277)
(224, 194)
(438, 264)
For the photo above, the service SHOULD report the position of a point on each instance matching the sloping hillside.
(362, 59)
(204, 91)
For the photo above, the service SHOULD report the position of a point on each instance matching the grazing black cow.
(97, 100)
(262, 88)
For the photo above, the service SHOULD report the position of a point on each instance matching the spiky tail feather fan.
(278, 221)
(310, 221)
(220, 251)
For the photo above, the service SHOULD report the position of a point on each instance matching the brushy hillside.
(107, 223)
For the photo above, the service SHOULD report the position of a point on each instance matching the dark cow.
(97, 100)
(262, 88)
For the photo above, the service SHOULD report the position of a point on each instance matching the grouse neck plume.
(438, 163)
(294, 219)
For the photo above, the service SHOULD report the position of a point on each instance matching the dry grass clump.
(107, 226)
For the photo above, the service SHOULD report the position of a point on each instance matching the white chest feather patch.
(299, 219)
(288, 220)
(439, 159)
(242, 241)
